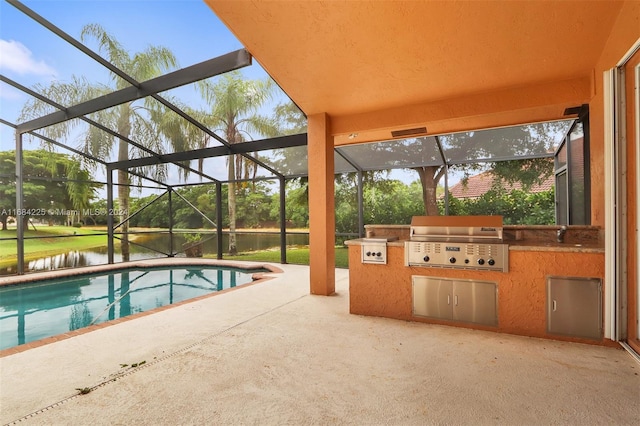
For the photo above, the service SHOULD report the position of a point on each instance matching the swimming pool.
(34, 311)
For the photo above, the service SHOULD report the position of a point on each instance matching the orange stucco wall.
(321, 206)
(385, 290)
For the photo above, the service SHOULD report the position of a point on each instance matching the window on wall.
(573, 189)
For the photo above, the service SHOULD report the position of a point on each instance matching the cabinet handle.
(554, 306)
(455, 298)
(448, 299)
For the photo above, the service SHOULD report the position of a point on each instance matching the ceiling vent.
(409, 132)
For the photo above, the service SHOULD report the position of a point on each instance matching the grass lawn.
(296, 256)
(53, 240)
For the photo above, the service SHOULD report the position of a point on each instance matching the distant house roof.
(480, 184)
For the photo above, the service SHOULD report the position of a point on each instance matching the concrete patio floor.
(271, 353)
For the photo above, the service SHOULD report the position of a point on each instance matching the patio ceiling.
(364, 63)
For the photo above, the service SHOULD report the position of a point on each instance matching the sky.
(32, 55)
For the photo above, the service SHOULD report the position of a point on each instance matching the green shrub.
(517, 207)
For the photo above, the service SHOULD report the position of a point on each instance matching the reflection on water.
(153, 246)
(63, 260)
(80, 316)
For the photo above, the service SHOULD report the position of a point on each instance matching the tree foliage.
(290, 119)
(388, 201)
(256, 207)
(517, 207)
(50, 181)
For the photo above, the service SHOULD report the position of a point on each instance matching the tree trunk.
(123, 206)
(233, 249)
(4, 219)
(429, 177)
(124, 128)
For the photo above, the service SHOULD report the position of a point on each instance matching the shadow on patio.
(273, 354)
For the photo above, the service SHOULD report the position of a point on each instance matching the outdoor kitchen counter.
(516, 246)
(577, 238)
(385, 290)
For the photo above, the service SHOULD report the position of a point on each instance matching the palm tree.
(235, 103)
(132, 119)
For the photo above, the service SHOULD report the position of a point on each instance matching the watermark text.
(62, 212)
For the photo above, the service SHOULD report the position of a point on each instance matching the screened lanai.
(183, 149)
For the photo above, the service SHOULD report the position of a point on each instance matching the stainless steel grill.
(459, 242)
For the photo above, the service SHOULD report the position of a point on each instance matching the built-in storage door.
(476, 302)
(574, 307)
(432, 297)
(459, 300)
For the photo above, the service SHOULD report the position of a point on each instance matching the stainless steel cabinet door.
(476, 302)
(432, 297)
(574, 307)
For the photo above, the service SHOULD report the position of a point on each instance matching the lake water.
(154, 245)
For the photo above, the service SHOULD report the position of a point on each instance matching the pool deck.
(271, 353)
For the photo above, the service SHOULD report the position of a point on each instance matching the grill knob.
(491, 262)
(452, 259)
(378, 254)
(480, 261)
(426, 258)
(466, 261)
(368, 253)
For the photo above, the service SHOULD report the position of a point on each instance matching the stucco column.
(322, 221)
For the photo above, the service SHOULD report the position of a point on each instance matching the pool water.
(33, 311)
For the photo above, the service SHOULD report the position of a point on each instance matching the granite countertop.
(577, 239)
(566, 247)
(515, 246)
